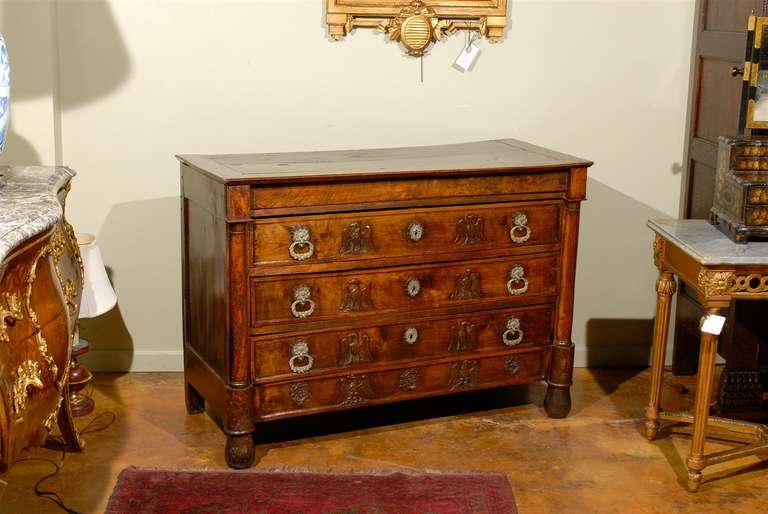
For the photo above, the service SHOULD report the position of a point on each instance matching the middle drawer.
(285, 304)
(327, 351)
(429, 233)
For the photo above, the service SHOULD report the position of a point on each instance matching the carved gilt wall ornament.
(356, 297)
(300, 393)
(464, 374)
(417, 24)
(463, 337)
(467, 286)
(470, 229)
(409, 379)
(354, 390)
(10, 312)
(354, 349)
(357, 238)
(27, 375)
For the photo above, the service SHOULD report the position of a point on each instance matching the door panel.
(714, 103)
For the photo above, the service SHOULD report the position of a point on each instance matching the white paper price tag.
(467, 57)
(713, 324)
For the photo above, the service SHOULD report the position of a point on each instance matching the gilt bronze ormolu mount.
(417, 24)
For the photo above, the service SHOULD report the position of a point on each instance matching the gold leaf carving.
(716, 283)
(11, 310)
(27, 375)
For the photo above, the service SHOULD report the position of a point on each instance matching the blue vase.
(5, 91)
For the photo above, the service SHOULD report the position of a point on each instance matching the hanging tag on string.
(468, 55)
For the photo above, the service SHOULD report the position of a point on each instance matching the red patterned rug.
(229, 492)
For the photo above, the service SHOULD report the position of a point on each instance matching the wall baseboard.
(147, 361)
(133, 361)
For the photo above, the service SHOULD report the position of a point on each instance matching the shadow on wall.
(615, 275)
(141, 241)
(94, 57)
(18, 150)
(93, 49)
(109, 329)
(41, 66)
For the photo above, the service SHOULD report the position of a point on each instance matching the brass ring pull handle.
(513, 336)
(302, 306)
(300, 352)
(520, 231)
(517, 278)
(301, 240)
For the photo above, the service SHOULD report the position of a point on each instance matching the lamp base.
(79, 377)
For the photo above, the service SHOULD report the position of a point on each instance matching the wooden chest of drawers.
(322, 281)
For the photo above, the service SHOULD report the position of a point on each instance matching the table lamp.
(98, 298)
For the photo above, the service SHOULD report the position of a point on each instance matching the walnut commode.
(322, 281)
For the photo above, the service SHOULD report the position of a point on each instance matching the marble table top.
(29, 204)
(707, 244)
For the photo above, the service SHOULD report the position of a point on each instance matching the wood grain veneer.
(327, 280)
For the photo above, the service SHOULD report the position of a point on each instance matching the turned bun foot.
(694, 480)
(651, 430)
(239, 451)
(557, 402)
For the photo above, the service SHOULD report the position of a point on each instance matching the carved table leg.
(704, 382)
(665, 289)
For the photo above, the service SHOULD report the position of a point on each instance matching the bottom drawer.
(350, 390)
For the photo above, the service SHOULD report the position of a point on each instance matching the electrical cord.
(52, 495)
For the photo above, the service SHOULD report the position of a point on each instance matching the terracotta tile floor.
(596, 460)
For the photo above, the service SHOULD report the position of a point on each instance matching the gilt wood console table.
(321, 281)
(718, 271)
(41, 278)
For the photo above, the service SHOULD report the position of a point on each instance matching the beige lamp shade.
(98, 295)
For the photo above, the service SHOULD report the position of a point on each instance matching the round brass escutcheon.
(416, 33)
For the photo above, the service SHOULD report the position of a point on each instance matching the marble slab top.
(707, 244)
(29, 204)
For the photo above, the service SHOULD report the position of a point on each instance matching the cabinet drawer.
(418, 233)
(315, 353)
(300, 300)
(281, 199)
(353, 390)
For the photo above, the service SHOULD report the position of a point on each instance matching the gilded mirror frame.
(417, 24)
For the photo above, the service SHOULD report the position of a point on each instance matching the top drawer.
(416, 233)
(383, 194)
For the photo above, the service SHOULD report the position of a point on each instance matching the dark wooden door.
(715, 98)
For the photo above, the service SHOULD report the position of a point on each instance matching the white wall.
(139, 81)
